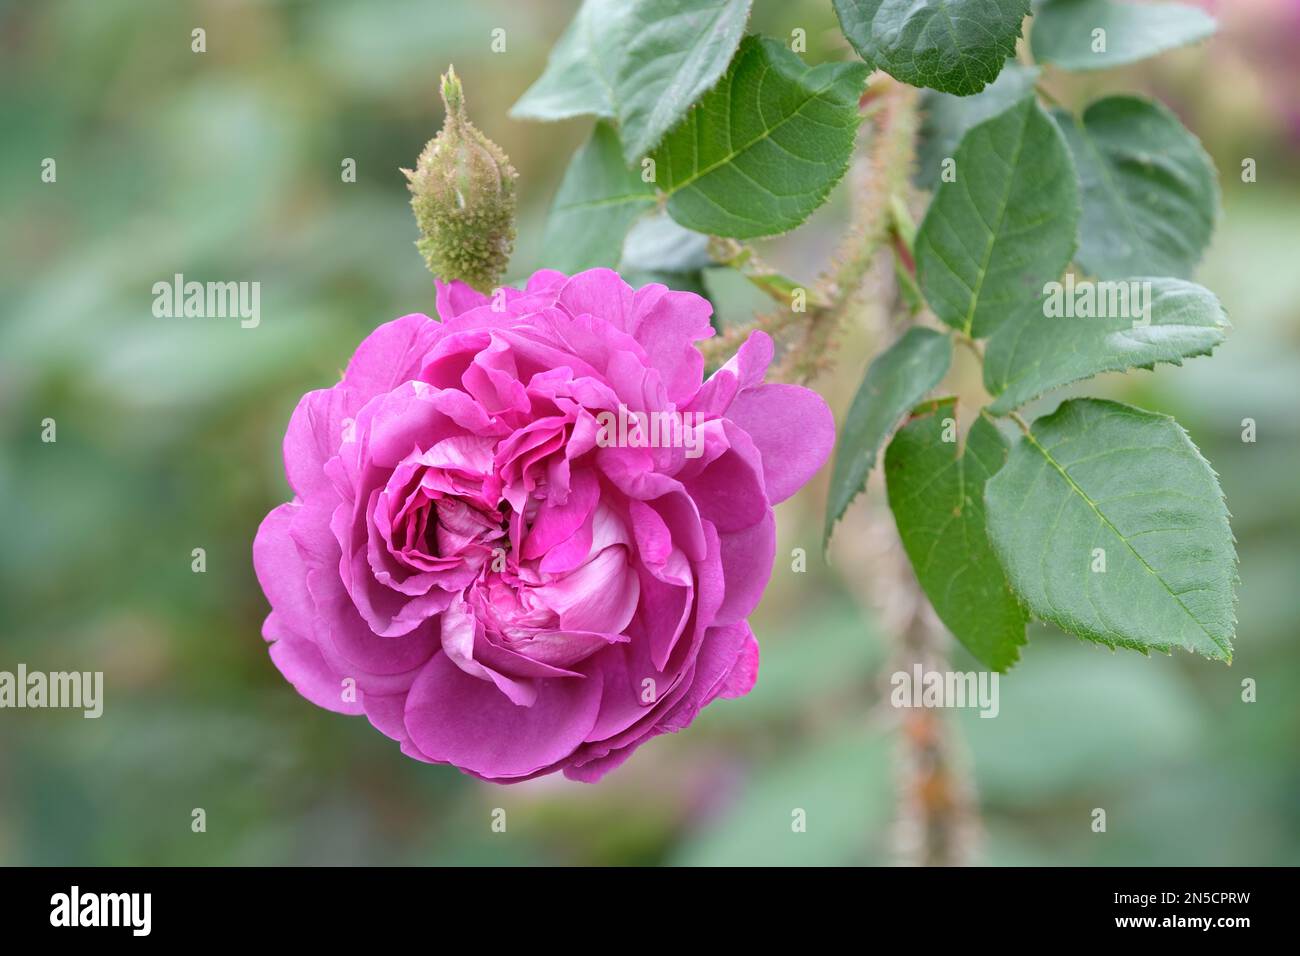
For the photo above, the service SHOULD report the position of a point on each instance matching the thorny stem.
(937, 820)
(937, 815)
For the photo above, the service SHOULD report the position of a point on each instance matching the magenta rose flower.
(526, 538)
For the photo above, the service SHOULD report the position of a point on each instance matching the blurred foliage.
(226, 165)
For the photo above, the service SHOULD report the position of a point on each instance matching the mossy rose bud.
(463, 195)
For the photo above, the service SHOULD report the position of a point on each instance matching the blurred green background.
(226, 165)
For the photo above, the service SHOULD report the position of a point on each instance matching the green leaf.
(676, 50)
(936, 492)
(597, 202)
(1100, 485)
(945, 118)
(579, 76)
(763, 148)
(956, 46)
(640, 62)
(1044, 348)
(1150, 193)
(897, 379)
(1063, 32)
(1006, 226)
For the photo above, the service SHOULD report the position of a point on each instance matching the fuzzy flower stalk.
(463, 196)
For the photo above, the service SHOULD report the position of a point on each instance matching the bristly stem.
(938, 813)
(938, 821)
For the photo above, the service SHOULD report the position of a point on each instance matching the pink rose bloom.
(495, 578)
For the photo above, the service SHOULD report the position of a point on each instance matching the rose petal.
(598, 292)
(743, 370)
(668, 324)
(728, 486)
(743, 675)
(453, 717)
(793, 430)
(747, 558)
(313, 437)
(390, 355)
(721, 652)
(386, 713)
(303, 666)
(453, 298)
(556, 523)
(353, 639)
(599, 596)
(281, 571)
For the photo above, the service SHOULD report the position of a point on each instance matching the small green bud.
(463, 195)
